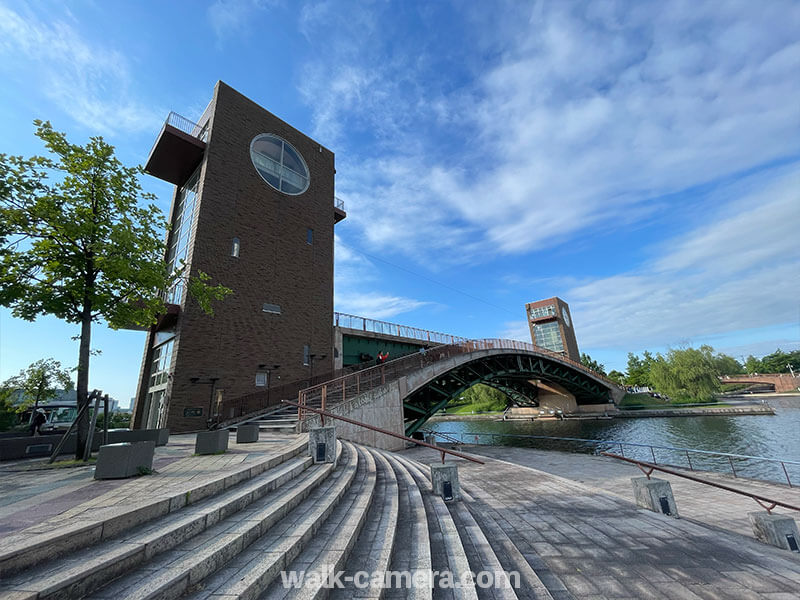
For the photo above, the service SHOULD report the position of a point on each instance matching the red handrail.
(651, 467)
(444, 451)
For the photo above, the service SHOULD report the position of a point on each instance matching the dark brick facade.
(276, 265)
(567, 330)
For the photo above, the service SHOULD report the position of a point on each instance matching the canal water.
(767, 436)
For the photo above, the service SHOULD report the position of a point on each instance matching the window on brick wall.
(261, 379)
(309, 236)
(235, 248)
(306, 355)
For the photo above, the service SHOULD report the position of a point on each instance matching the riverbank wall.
(755, 409)
(715, 411)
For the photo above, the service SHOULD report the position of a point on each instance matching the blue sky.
(641, 160)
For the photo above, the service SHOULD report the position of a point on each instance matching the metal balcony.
(338, 210)
(178, 150)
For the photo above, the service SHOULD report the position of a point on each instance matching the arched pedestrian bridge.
(421, 384)
(781, 382)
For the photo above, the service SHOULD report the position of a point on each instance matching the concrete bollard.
(444, 480)
(125, 459)
(776, 530)
(322, 444)
(247, 433)
(655, 494)
(211, 442)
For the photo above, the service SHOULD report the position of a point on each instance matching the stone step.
(530, 585)
(412, 541)
(86, 570)
(27, 549)
(376, 544)
(480, 527)
(335, 540)
(252, 571)
(174, 572)
(516, 553)
(481, 555)
(447, 550)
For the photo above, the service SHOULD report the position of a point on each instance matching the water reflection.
(767, 436)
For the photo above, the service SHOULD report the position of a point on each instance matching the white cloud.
(582, 117)
(515, 330)
(355, 280)
(235, 17)
(740, 271)
(89, 82)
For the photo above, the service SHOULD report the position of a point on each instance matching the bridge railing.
(340, 389)
(394, 329)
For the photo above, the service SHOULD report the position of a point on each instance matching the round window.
(279, 164)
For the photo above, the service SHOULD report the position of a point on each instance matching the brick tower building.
(254, 208)
(552, 328)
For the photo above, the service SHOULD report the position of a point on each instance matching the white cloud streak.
(586, 115)
(740, 271)
(352, 273)
(89, 82)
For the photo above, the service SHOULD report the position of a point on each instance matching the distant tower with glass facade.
(254, 208)
(551, 326)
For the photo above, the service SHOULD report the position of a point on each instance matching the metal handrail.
(323, 413)
(651, 467)
(182, 123)
(338, 203)
(441, 435)
(385, 327)
(651, 447)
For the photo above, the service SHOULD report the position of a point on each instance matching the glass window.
(235, 248)
(309, 236)
(261, 379)
(161, 363)
(542, 311)
(279, 164)
(306, 356)
(548, 335)
(182, 219)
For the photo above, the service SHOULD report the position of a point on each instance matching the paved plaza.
(566, 522)
(581, 529)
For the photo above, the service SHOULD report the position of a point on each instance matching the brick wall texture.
(276, 265)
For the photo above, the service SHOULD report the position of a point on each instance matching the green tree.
(484, 398)
(76, 243)
(753, 365)
(40, 382)
(638, 371)
(687, 375)
(588, 362)
(727, 365)
(779, 361)
(617, 376)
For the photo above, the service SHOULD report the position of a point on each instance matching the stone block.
(247, 433)
(443, 474)
(654, 494)
(125, 459)
(776, 530)
(159, 436)
(211, 442)
(319, 436)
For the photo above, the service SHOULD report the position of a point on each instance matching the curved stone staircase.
(370, 513)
